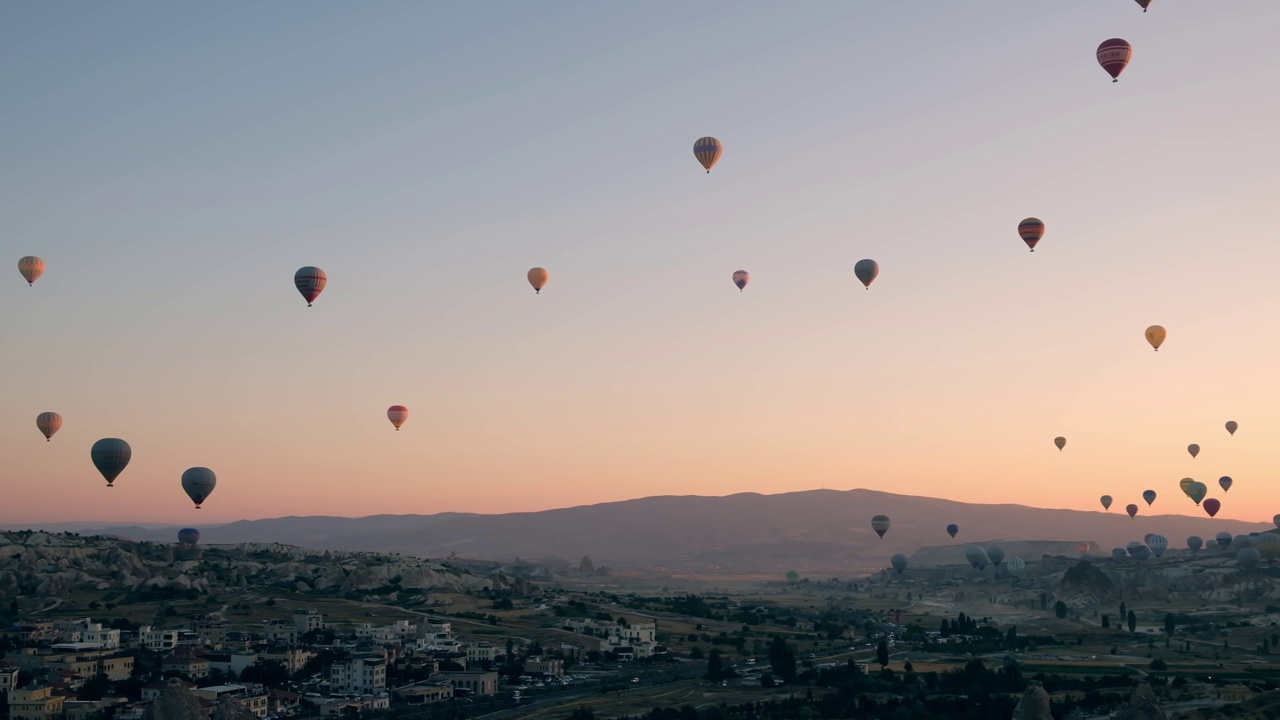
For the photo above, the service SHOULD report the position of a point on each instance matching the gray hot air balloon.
(899, 562)
(880, 523)
(111, 456)
(1137, 550)
(1195, 543)
(188, 536)
(1194, 449)
(198, 483)
(1223, 538)
(1241, 541)
(1268, 545)
(995, 554)
(1118, 553)
(1232, 426)
(866, 270)
(1016, 566)
(976, 556)
(1248, 558)
(1158, 544)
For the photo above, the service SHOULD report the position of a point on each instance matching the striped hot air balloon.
(741, 278)
(310, 281)
(31, 268)
(708, 151)
(1114, 56)
(397, 414)
(48, 423)
(1031, 230)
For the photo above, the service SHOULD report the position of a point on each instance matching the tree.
(1106, 621)
(229, 708)
(1123, 612)
(1011, 637)
(175, 703)
(1133, 621)
(715, 668)
(1158, 665)
(1044, 602)
(1170, 623)
(882, 654)
(781, 660)
(696, 652)
(1060, 610)
(13, 608)
(95, 688)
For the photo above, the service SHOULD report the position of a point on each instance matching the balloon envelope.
(310, 281)
(1241, 541)
(397, 414)
(31, 268)
(1016, 566)
(899, 562)
(866, 271)
(1156, 335)
(1118, 553)
(188, 536)
(198, 483)
(1061, 442)
(1223, 538)
(1268, 545)
(1211, 506)
(1158, 544)
(1248, 558)
(1276, 520)
(741, 278)
(110, 456)
(48, 423)
(1196, 491)
(976, 556)
(1031, 230)
(538, 278)
(1232, 426)
(1106, 502)
(1185, 484)
(708, 151)
(952, 529)
(880, 523)
(1144, 3)
(1194, 449)
(1195, 542)
(1149, 496)
(1225, 483)
(995, 554)
(1131, 509)
(1114, 56)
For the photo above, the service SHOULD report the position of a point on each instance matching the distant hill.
(810, 531)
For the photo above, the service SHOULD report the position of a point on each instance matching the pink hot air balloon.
(1211, 506)
(1131, 509)
(1031, 230)
(397, 414)
(1114, 56)
(310, 281)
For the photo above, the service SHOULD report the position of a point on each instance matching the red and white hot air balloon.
(397, 414)
(310, 281)
(1114, 56)
(708, 151)
(1031, 230)
(48, 423)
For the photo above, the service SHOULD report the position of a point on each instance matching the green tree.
(1060, 610)
(1170, 623)
(1123, 612)
(1133, 622)
(1106, 621)
(715, 668)
(782, 660)
(13, 608)
(882, 654)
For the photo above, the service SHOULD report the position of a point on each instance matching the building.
(253, 697)
(308, 620)
(191, 666)
(155, 690)
(291, 659)
(352, 708)
(400, 632)
(480, 652)
(8, 681)
(469, 682)
(281, 632)
(87, 663)
(540, 665)
(364, 674)
(34, 703)
(229, 663)
(157, 640)
(424, 693)
(85, 632)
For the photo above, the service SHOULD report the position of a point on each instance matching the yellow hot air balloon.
(538, 279)
(1185, 483)
(1155, 336)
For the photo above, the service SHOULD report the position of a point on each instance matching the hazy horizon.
(175, 164)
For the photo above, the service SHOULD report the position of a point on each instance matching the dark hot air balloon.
(1211, 506)
(1158, 544)
(880, 523)
(188, 536)
(1194, 450)
(952, 529)
(976, 556)
(397, 414)
(1144, 3)
(899, 562)
(1031, 230)
(1196, 491)
(1194, 543)
(1223, 538)
(1149, 496)
(1248, 558)
(1225, 483)
(866, 271)
(1060, 442)
(1232, 426)
(1114, 56)
(995, 554)
(198, 483)
(708, 151)
(1106, 502)
(111, 456)
(1131, 509)
(741, 278)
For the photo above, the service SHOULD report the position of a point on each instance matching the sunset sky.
(175, 163)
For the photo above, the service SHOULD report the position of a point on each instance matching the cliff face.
(52, 564)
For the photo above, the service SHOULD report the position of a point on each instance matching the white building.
(358, 675)
(480, 652)
(85, 632)
(402, 631)
(157, 640)
(308, 620)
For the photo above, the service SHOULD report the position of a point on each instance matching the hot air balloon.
(1031, 230)
(866, 271)
(880, 523)
(1147, 537)
(1185, 484)
(110, 456)
(995, 554)
(310, 281)
(1061, 442)
(1158, 544)
(48, 423)
(1118, 553)
(1241, 541)
(741, 278)
(397, 414)
(1016, 566)
(1195, 543)
(952, 529)
(1106, 502)
(538, 279)
(1196, 491)
(1268, 545)
(899, 562)
(1194, 449)
(188, 536)
(1144, 4)
(1114, 56)
(1149, 496)
(1225, 483)
(1211, 506)
(1248, 558)
(198, 483)
(1156, 335)
(31, 268)
(1223, 538)
(1276, 519)
(1083, 548)
(708, 151)
(976, 556)
(793, 577)
(1131, 509)
(1232, 426)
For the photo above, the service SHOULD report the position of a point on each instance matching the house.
(291, 659)
(85, 632)
(468, 682)
(424, 693)
(279, 701)
(88, 663)
(540, 665)
(363, 674)
(89, 709)
(191, 666)
(341, 708)
(278, 631)
(399, 632)
(252, 697)
(34, 703)
(481, 652)
(308, 620)
(8, 681)
(154, 690)
(229, 663)
(804, 626)
(157, 640)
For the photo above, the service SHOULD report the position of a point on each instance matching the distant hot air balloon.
(1268, 545)
(1225, 482)
(1185, 484)
(31, 268)
(1016, 566)
(708, 151)
(1248, 558)
(1196, 491)
(793, 577)
(741, 278)
(1138, 551)
(110, 456)
(952, 529)
(48, 423)
(1144, 4)
(1156, 335)
(1114, 56)
(1061, 442)
(899, 562)
(1232, 426)
(866, 271)
(397, 414)
(880, 523)
(995, 554)
(538, 279)
(1158, 544)
(198, 483)
(188, 536)
(1211, 506)
(1106, 502)
(1147, 537)
(1083, 548)
(976, 556)
(1194, 449)
(1131, 509)
(310, 281)
(1118, 553)
(1194, 542)
(1223, 538)
(1149, 496)
(1241, 541)
(1276, 519)
(1031, 230)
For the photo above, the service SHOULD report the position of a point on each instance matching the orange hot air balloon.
(48, 423)
(31, 268)
(708, 151)
(397, 414)
(1114, 56)
(538, 278)
(1156, 335)
(1131, 509)
(1211, 506)
(1031, 230)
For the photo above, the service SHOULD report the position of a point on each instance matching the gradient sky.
(174, 163)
